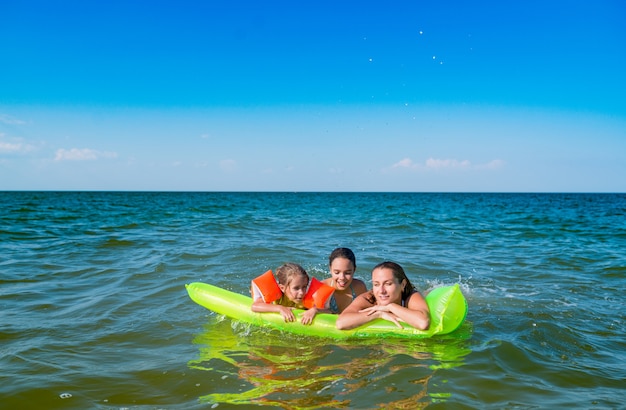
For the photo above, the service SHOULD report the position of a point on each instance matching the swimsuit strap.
(334, 308)
(404, 301)
(333, 305)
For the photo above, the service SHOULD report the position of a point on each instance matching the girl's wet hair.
(399, 275)
(345, 253)
(286, 272)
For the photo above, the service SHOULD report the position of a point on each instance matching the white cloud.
(7, 119)
(10, 147)
(82, 154)
(495, 164)
(447, 163)
(15, 146)
(405, 163)
(443, 164)
(228, 165)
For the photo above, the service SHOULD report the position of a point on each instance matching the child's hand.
(287, 313)
(308, 315)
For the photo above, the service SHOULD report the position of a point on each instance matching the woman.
(342, 265)
(392, 298)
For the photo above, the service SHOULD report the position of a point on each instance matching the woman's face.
(296, 289)
(342, 272)
(386, 287)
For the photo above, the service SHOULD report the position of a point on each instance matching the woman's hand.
(391, 317)
(382, 312)
(376, 308)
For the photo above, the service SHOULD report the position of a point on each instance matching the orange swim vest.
(265, 287)
(318, 295)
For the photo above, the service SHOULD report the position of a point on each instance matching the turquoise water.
(94, 312)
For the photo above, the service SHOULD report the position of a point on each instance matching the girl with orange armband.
(291, 290)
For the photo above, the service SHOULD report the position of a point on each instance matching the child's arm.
(287, 313)
(309, 315)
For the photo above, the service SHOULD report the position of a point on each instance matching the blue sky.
(415, 96)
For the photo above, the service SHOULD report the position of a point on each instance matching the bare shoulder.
(417, 301)
(359, 286)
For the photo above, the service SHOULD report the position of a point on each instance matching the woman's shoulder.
(415, 298)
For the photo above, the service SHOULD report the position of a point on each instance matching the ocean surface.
(94, 312)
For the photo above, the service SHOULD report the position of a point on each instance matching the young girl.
(392, 298)
(293, 282)
(342, 265)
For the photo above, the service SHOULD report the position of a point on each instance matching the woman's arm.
(415, 314)
(352, 316)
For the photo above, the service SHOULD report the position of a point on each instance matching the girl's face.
(386, 287)
(296, 289)
(342, 272)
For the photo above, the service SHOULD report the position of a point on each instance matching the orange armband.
(265, 287)
(318, 295)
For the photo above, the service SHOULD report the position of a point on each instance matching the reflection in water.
(249, 365)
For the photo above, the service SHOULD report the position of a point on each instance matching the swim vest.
(265, 287)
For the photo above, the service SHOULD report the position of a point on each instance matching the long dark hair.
(399, 275)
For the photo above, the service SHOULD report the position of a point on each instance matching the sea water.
(94, 312)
